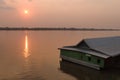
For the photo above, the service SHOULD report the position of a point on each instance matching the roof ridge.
(101, 38)
(99, 52)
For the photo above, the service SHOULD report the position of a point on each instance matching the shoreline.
(59, 29)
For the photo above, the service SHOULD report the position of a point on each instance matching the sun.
(26, 11)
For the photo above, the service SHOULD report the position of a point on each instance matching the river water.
(34, 55)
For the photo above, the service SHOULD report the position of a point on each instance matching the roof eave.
(85, 51)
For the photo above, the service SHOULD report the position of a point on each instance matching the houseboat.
(97, 53)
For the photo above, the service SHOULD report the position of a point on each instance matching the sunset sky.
(60, 13)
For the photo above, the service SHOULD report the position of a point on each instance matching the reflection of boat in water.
(85, 73)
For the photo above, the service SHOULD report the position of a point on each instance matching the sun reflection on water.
(26, 49)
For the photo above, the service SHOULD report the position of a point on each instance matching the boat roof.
(104, 47)
(108, 45)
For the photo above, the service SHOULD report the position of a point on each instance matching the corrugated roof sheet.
(109, 45)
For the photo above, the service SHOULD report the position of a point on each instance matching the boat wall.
(83, 57)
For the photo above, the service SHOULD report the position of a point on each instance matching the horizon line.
(58, 28)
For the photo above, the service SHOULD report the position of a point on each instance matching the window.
(81, 56)
(98, 61)
(89, 58)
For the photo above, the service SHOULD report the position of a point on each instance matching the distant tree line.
(63, 28)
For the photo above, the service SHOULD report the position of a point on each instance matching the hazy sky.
(60, 13)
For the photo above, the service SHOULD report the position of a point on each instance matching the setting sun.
(26, 11)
